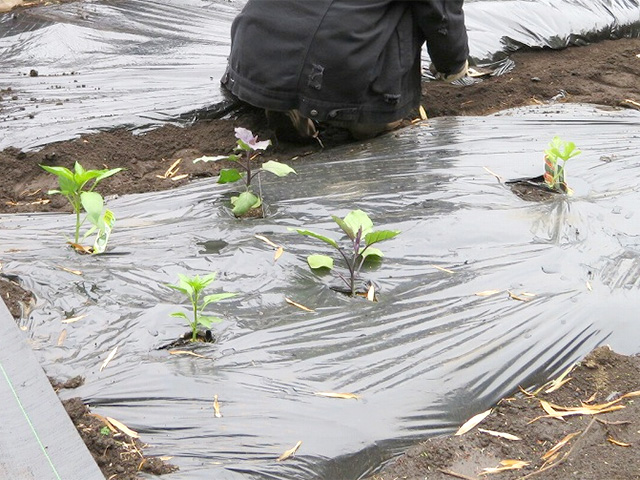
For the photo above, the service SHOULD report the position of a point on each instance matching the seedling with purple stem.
(247, 144)
(359, 229)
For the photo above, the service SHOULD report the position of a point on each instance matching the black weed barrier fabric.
(481, 292)
(138, 63)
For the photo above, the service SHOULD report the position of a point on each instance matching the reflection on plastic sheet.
(106, 64)
(426, 357)
(138, 63)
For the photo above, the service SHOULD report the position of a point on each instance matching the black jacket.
(345, 60)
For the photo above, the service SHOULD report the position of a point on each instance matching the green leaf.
(309, 233)
(558, 148)
(59, 171)
(357, 219)
(105, 225)
(93, 204)
(178, 288)
(320, 261)
(211, 159)
(243, 146)
(66, 180)
(216, 297)
(69, 187)
(371, 252)
(380, 236)
(229, 175)
(345, 228)
(353, 222)
(83, 178)
(243, 203)
(89, 232)
(277, 168)
(186, 284)
(207, 320)
(78, 169)
(180, 315)
(207, 279)
(107, 173)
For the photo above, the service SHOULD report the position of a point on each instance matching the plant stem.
(247, 167)
(346, 282)
(350, 265)
(194, 326)
(255, 174)
(356, 252)
(77, 226)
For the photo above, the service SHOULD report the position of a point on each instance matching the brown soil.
(605, 73)
(608, 78)
(36, 3)
(118, 455)
(17, 299)
(602, 446)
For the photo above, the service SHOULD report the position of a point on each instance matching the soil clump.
(17, 299)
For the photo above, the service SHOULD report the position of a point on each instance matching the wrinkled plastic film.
(141, 63)
(497, 27)
(107, 64)
(424, 358)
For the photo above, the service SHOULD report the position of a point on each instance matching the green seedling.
(105, 431)
(77, 187)
(359, 228)
(554, 173)
(247, 144)
(192, 287)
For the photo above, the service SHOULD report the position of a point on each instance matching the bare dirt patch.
(600, 446)
(609, 77)
(118, 455)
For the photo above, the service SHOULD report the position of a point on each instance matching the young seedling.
(554, 173)
(359, 228)
(192, 287)
(247, 145)
(77, 187)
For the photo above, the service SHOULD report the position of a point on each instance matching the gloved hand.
(451, 77)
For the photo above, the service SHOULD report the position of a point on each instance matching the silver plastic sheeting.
(138, 63)
(424, 358)
(499, 26)
(109, 63)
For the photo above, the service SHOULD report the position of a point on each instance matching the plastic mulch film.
(499, 26)
(481, 292)
(137, 63)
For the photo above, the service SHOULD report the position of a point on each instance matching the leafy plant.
(105, 431)
(192, 287)
(247, 143)
(554, 173)
(359, 228)
(78, 186)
